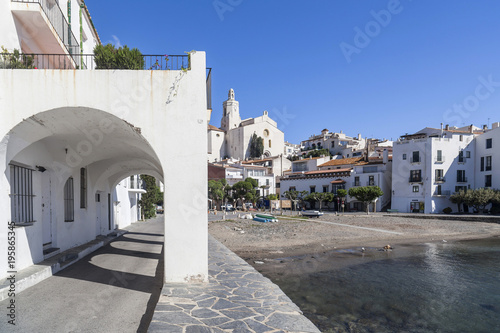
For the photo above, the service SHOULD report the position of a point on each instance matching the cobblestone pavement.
(236, 299)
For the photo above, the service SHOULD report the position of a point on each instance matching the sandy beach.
(292, 236)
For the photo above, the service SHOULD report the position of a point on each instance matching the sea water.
(435, 287)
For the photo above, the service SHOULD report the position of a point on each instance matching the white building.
(488, 158)
(336, 174)
(432, 164)
(68, 137)
(233, 138)
(337, 143)
(292, 149)
(126, 198)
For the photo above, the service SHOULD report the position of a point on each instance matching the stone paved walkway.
(236, 299)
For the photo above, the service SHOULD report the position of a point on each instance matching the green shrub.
(108, 57)
(447, 210)
(16, 60)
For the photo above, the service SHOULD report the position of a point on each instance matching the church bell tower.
(231, 113)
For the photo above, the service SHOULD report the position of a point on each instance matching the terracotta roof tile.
(342, 161)
(213, 128)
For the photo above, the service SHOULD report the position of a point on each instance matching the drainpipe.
(81, 34)
(69, 26)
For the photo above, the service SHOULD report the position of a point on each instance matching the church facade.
(233, 138)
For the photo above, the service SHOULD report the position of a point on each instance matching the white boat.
(311, 213)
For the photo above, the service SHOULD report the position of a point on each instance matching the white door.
(46, 209)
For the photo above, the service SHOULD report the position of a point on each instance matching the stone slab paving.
(237, 299)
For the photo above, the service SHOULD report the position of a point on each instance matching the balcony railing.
(462, 180)
(59, 23)
(87, 61)
(415, 179)
(442, 193)
(440, 179)
(415, 160)
(439, 160)
(370, 183)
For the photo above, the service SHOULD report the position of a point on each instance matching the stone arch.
(54, 145)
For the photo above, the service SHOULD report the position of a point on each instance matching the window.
(482, 163)
(69, 201)
(415, 157)
(415, 189)
(489, 143)
(461, 176)
(325, 188)
(415, 176)
(404, 157)
(439, 175)
(371, 180)
(21, 194)
(488, 163)
(438, 190)
(461, 138)
(267, 182)
(83, 188)
(266, 133)
(487, 181)
(467, 154)
(356, 181)
(292, 188)
(269, 143)
(439, 157)
(461, 157)
(312, 189)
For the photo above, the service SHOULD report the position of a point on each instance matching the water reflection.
(448, 287)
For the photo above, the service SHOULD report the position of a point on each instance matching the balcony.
(415, 160)
(45, 20)
(462, 160)
(462, 180)
(439, 160)
(356, 183)
(415, 179)
(440, 179)
(441, 193)
(370, 183)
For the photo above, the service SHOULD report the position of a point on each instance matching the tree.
(272, 197)
(256, 146)
(294, 196)
(366, 194)
(151, 198)
(479, 198)
(317, 153)
(245, 190)
(341, 193)
(108, 57)
(458, 198)
(216, 190)
(319, 197)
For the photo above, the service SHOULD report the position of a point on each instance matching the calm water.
(442, 287)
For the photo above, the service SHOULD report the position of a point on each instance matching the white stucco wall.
(143, 100)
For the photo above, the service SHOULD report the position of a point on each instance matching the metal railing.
(86, 61)
(415, 179)
(46, 61)
(59, 23)
(442, 193)
(440, 179)
(461, 179)
(439, 160)
(415, 160)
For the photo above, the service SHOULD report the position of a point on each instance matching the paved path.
(114, 289)
(238, 299)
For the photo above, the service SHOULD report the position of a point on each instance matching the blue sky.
(379, 68)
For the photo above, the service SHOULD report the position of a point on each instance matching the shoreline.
(292, 237)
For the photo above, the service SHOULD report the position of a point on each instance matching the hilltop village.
(417, 173)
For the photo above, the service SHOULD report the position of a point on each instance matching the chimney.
(447, 127)
(470, 128)
(386, 156)
(485, 128)
(495, 125)
(359, 137)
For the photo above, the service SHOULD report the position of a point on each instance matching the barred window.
(69, 201)
(21, 194)
(83, 188)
